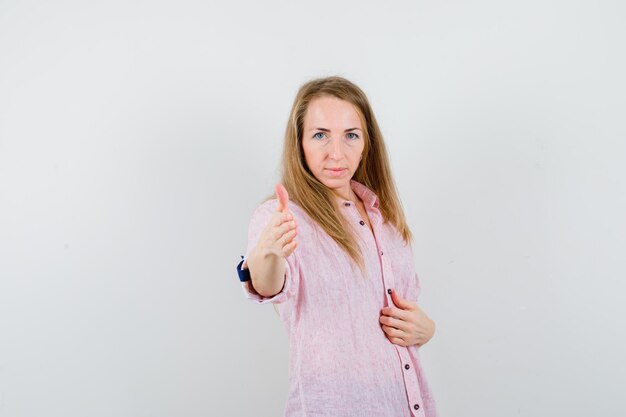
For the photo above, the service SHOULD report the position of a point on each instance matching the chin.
(335, 182)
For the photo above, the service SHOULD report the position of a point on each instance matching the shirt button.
(407, 366)
(361, 222)
(389, 291)
(381, 253)
(416, 406)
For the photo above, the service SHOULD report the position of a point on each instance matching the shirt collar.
(365, 194)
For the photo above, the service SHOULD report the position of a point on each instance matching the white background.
(136, 138)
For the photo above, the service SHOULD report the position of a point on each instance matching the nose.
(336, 152)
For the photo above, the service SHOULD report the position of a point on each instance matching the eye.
(317, 137)
(353, 137)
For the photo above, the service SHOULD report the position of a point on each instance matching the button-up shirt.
(341, 364)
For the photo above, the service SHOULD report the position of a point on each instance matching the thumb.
(401, 302)
(283, 197)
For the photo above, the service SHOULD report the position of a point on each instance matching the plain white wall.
(136, 138)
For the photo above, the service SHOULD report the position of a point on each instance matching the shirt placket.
(411, 383)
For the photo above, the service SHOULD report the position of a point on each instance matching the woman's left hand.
(406, 324)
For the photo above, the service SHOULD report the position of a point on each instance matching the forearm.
(267, 271)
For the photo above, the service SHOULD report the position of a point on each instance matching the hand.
(406, 324)
(278, 236)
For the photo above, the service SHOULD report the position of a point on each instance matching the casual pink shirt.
(341, 364)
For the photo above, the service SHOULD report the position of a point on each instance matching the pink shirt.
(341, 364)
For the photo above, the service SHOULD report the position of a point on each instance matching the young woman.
(333, 252)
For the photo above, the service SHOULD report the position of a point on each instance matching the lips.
(336, 172)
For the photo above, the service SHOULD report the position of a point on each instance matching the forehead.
(326, 111)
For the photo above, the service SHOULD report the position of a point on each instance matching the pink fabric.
(340, 361)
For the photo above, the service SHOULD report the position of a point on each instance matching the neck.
(346, 195)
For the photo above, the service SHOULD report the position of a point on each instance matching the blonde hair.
(373, 171)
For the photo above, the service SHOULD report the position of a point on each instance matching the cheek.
(311, 156)
(355, 149)
(356, 154)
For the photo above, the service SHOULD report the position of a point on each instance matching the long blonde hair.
(373, 171)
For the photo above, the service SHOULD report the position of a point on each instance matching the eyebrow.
(328, 130)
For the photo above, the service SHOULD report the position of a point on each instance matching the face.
(332, 140)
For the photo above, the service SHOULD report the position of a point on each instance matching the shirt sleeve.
(259, 220)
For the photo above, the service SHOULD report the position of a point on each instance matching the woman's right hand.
(278, 237)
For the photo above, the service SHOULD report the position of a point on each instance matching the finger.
(284, 228)
(400, 302)
(290, 247)
(281, 217)
(283, 197)
(398, 341)
(392, 332)
(392, 322)
(395, 313)
(287, 238)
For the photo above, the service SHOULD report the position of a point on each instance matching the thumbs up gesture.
(278, 237)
